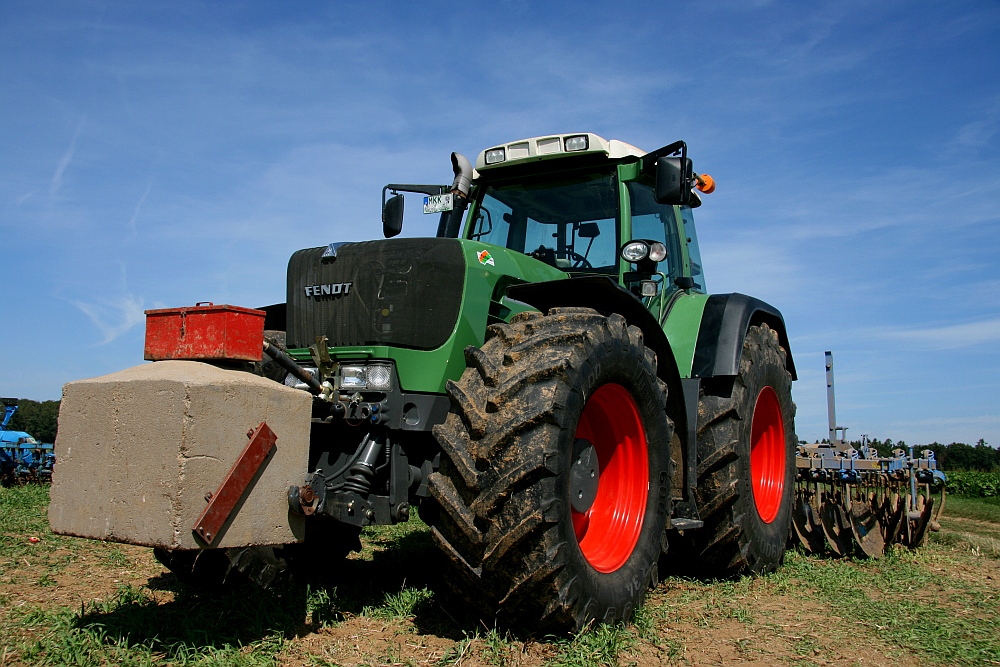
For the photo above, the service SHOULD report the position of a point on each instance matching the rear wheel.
(746, 465)
(554, 482)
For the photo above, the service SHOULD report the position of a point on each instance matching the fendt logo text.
(333, 289)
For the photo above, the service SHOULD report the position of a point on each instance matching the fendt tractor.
(546, 379)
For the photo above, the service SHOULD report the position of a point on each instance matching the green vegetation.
(133, 628)
(935, 606)
(975, 484)
(945, 625)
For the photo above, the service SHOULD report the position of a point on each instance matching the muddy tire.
(746, 466)
(532, 542)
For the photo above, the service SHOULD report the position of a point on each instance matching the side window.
(694, 255)
(493, 222)
(656, 222)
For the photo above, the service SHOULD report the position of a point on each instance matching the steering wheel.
(579, 261)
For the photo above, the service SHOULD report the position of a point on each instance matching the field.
(77, 602)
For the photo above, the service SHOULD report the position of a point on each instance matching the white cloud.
(138, 206)
(947, 337)
(64, 161)
(113, 316)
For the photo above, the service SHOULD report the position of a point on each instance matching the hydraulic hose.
(289, 365)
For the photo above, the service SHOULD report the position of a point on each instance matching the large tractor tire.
(746, 466)
(553, 491)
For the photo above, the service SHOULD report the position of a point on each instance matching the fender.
(724, 325)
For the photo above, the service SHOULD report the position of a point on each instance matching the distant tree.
(959, 456)
(36, 418)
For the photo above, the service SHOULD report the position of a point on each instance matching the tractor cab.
(587, 205)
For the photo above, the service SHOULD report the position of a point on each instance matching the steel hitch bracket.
(222, 502)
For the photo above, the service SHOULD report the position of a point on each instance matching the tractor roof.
(524, 151)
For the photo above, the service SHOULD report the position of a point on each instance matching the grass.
(906, 604)
(602, 645)
(938, 605)
(398, 605)
(980, 509)
(133, 628)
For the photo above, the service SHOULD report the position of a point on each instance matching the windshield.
(570, 222)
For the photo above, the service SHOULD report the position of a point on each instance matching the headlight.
(351, 378)
(635, 251)
(373, 377)
(578, 143)
(295, 383)
(379, 376)
(495, 155)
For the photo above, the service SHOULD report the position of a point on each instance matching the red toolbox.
(205, 331)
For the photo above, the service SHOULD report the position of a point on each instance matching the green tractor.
(548, 380)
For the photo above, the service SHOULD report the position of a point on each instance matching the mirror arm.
(396, 188)
(649, 159)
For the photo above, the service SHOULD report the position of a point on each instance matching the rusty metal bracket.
(221, 503)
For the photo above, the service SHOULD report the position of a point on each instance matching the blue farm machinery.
(22, 458)
(855, 502)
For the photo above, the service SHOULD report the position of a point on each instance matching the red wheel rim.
(767, 455)
(608, 531)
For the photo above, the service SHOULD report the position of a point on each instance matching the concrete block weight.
(138, 450)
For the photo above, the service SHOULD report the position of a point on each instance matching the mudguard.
(724, 324)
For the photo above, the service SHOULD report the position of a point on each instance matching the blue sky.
(159, 154)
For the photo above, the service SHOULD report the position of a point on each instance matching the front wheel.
(553, 491)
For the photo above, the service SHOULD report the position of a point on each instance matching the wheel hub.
(584, 476)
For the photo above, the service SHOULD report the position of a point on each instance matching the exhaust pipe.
(463, 174)
(451, 224)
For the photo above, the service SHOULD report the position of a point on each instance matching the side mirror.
(392, 216)
(673, 181)
(684, 282)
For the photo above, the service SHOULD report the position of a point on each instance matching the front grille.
(402, 292)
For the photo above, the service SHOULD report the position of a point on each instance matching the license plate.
(438, 203)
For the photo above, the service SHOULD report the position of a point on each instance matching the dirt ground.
(939, 605)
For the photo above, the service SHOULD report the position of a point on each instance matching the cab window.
(571, 222)
(656, 222)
